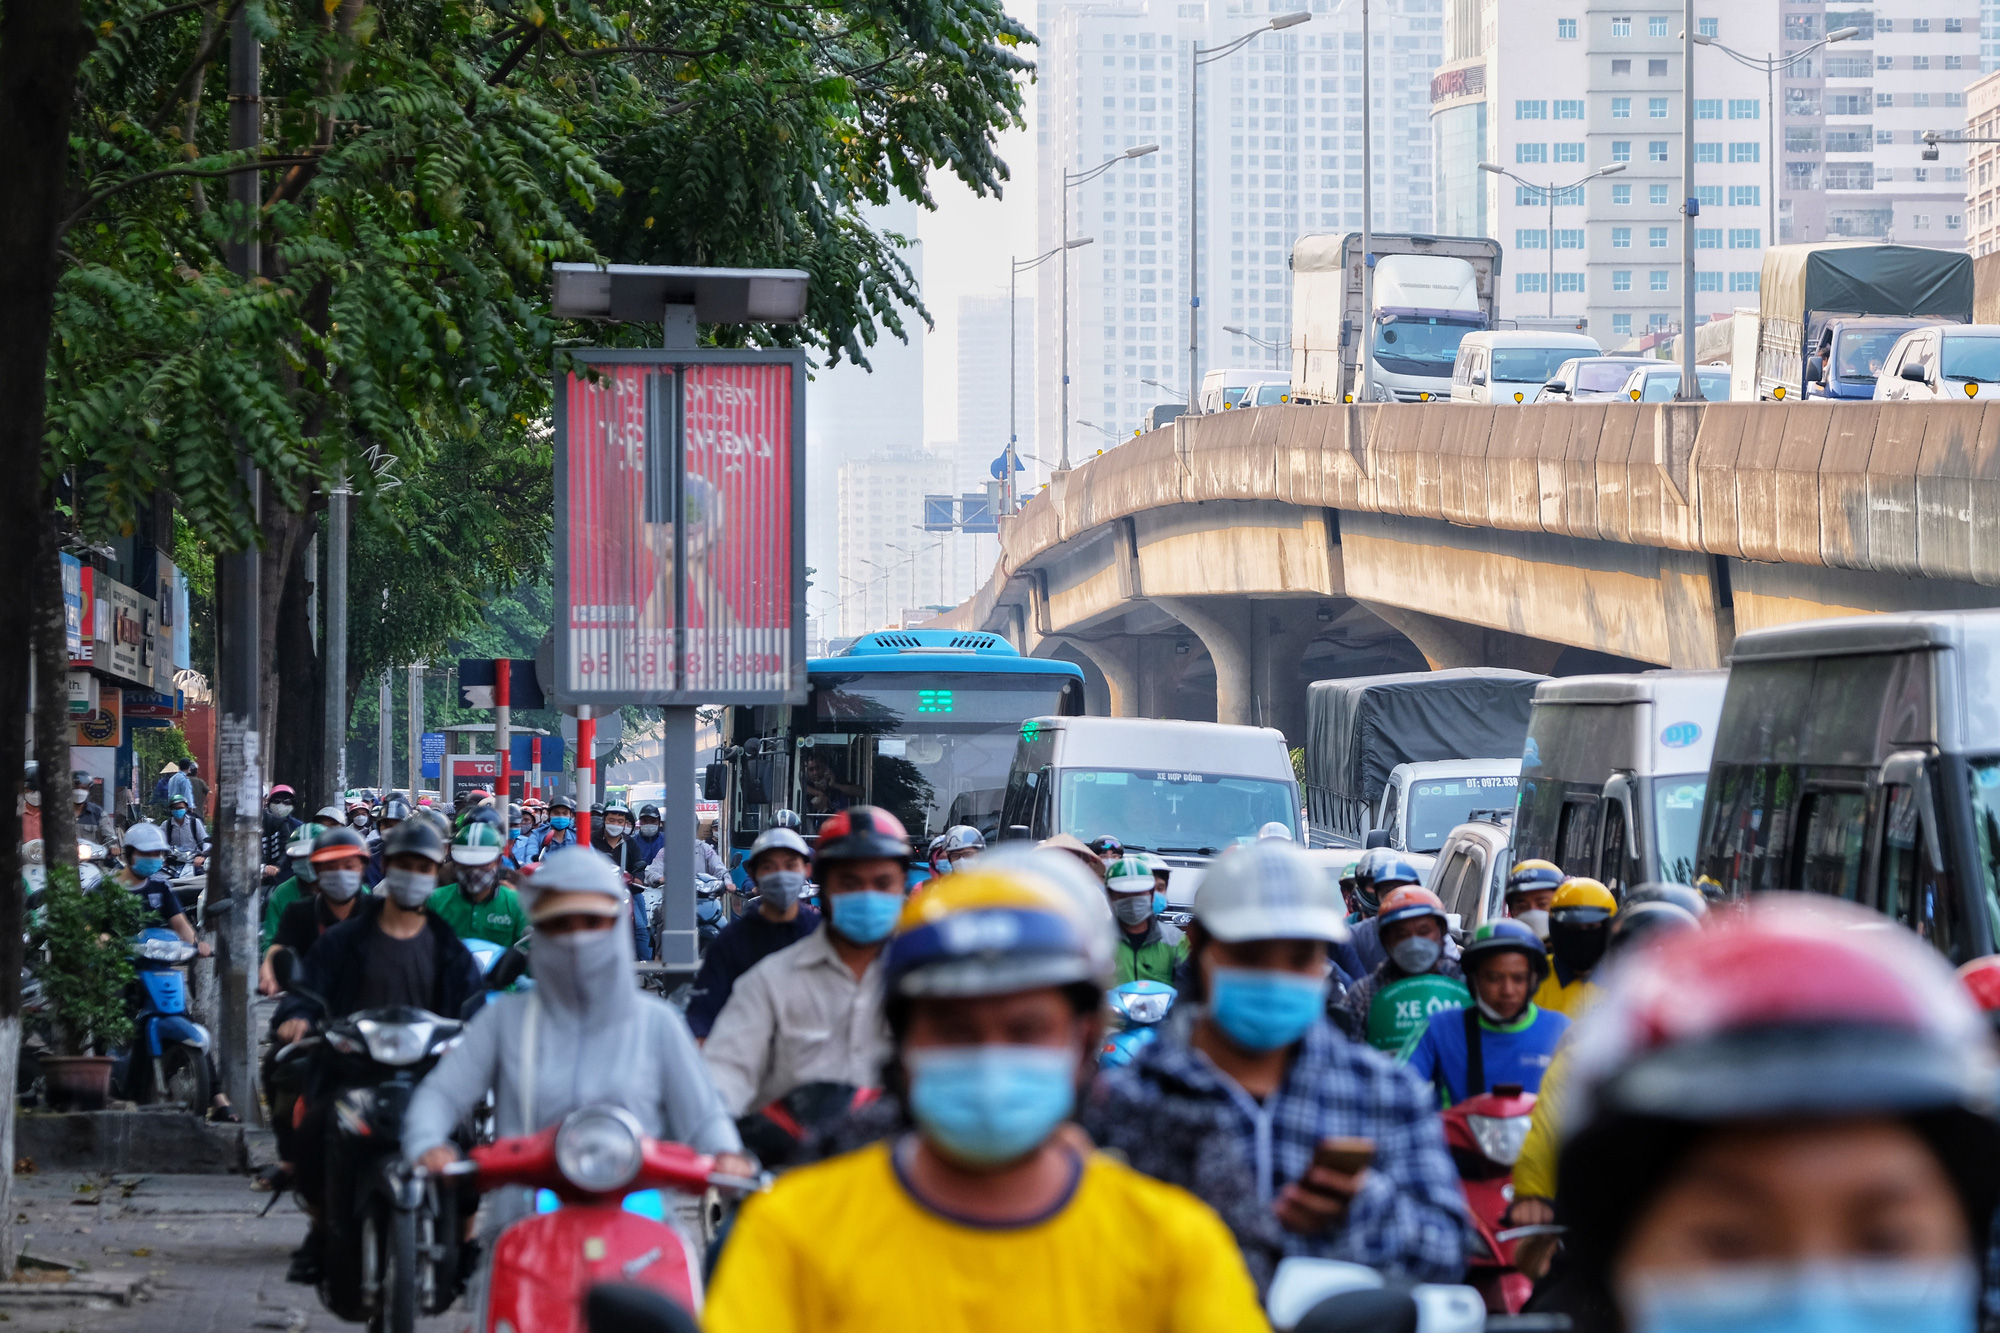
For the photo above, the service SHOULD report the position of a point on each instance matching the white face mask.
(34, 798)
(80, 795)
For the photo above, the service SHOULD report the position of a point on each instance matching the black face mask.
(1578, 945)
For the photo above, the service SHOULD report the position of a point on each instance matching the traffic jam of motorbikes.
(1650, 1003)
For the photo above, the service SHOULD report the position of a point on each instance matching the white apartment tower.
(1280, 154)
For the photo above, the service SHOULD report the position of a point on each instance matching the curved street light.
(1549, 193)
(1070, 180)
(1018, 267)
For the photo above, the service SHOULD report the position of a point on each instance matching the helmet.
(1797, 1009)
(862, 833)
(1981, 977)
(781, 819)
(1407, 903)
(397, 807)
(303, 839)
(1105, 845)
(279, 789)
(597, 809)
(618, 808)
(337, 843)
(176, 799)
(1680, 895)
(478, 845)
(562, 803)
(649, 811)
(330, 814)
(1275, 830)
(963, 838)
(1155, 863)
(1647, 922)
(1506, 936)
(1266, 891)
(992, 931)
(1380, 869)
(145, 836)
(1580, 922)
(775, 839)
(414, 837)
(1128, 874)
(513, 812)
(1528, 876)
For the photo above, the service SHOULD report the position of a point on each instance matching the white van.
(1182, 790)
(1225, 388)
(1942, 364)
(1511, 366)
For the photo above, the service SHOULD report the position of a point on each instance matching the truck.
(1829, 312)
(1430, 291)
(1393, 759)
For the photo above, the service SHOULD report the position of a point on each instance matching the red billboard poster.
(678, 529)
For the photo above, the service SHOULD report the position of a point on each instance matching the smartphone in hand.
(1348, 1156)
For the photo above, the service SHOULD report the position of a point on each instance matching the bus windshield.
(933, 748)
(1172, 812)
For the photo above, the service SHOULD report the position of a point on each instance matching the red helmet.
(1408, 902)
(1800, 1008)
(1982, 981)
(862, 833)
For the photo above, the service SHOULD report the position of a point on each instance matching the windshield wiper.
(1199, 851)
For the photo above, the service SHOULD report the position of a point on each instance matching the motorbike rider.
(143, 874)
(1148, 949)
(1501, 1037)
(585, 1034)
(1073, 845)
(777, 865)
(934, 861)
(994, 981)
(299, 884)
(1531, 888)
(560, 831)
(963, 844)
(707, 861)
(30, 802)
(1107, 850)
(812, 1011)
(392, 952)
(1379, 872)
(476, 904)
(360, 817)
(395, 809)
(280, 832)
(1811, 1146)
(1411, 926)
(1580, 918)
(530, 823)
(649, 838)
(338, 857)
(187, 836)
(92, 825)
(1243, 1085)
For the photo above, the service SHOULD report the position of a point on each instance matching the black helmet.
(397, 807)
(414, 837)
(649, 811)
(861, 833)
(596, 809)
(1647, 921)
(786, 819)
(339, 840)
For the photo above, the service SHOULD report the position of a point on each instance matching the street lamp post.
(1007, 496)
(1208, 55)
(1549, 193)
(1072, 179)
(1244, 333)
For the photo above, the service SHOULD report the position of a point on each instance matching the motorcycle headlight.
(395, 1043)
(1145, 1008)
(599, 1148)
(1499, 1137)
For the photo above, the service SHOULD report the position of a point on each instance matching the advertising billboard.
(679, 528)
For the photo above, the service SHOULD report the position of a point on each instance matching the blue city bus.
(922, 722)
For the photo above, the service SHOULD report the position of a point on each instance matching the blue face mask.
(145, 867)
(984, 1105)
(560, 821)
(1854, 1296)
(1159, 903)
(865, 916)
(1261, 1010)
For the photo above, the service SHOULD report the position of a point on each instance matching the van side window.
(1836, 834)
(1392, 812)
(1045, 809)
(1576, 838)
(1897, 877)
(1020, 801)
(1471, 884)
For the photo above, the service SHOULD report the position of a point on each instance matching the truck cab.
(1851, 355)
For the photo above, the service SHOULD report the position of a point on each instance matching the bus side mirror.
(1377, 837)
(714, 782)
(1019, 833)
(1911, 769)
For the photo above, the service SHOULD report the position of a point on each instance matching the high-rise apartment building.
(887, 564)
(1982, 166)
(1827, 147)
(1280, 154)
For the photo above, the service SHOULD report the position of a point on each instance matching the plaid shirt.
(1409, 1217)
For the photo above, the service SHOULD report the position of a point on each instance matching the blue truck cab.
(1850, 352)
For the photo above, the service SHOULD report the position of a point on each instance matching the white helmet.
(145, 837)
(1269, 890)
(1274, 832)
(776, 839)
(963, 838)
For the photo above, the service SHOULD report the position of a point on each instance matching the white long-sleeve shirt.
(799, 1016)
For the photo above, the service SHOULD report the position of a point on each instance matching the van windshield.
(1862, 354)
(1972, 359)
(1986, 830)
(1410, 345)
(1528, 365)
(1234, 394)
(1677, 824)
(1171, 812)
(1601, 376)
(1436, 808)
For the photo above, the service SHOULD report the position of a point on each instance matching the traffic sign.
(431, 751)
(477, 678)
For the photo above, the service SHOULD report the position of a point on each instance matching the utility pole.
(239, 768)
(1690, 390)
(334, 765)
(385, 733)
(416, 732)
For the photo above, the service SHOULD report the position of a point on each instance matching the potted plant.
(84, 943)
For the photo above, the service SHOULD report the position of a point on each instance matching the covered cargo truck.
(1830, 311)
(1359, 730)
(1430, 291)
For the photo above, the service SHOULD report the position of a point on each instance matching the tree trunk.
(297, 755)
(41, 43)
(282, 576)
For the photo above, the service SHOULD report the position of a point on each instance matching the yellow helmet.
(1582, 891)
(1531, 875)
(1005, 926)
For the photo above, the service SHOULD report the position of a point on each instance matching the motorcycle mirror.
(507, 969)
(623, 1307)
(285, 967)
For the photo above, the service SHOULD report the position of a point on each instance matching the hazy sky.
(967, 244)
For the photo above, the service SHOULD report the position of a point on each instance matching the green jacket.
(500, 919)
(282, 896)
(1153, 957)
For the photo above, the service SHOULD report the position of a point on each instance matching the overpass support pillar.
(1224, 627)
(1118, 659)
(1451, 643)
(1284, 628)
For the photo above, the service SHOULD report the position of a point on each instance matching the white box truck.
(1430, 291)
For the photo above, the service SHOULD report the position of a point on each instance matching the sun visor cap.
(1269, 890)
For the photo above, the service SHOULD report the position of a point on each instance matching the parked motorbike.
(1140, 1006)
(167, 1062)
(1333, 1296)
(600, 1231)
(1485, 1135)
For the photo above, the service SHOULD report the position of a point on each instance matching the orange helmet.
(1409, 902)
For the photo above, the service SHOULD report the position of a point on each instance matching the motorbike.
(391, 1238)
(1485, 1135)
(606, 1223)
(1140, 1006)
(167, 1062)
(709, 918)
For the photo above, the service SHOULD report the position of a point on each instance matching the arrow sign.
(476, 681)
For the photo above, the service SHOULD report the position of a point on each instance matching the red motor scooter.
(544, 1266)
(1485, 1134)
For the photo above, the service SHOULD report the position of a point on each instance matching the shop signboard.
(101, 727)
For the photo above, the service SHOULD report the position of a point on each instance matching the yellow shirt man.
(1569, 1000)
(844, 1247)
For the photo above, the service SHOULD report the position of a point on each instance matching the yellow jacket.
(1535, 1171)
(1570, 1000)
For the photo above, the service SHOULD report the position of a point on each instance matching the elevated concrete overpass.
(1213, 568)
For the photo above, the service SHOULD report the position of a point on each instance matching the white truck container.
(1430, 291)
